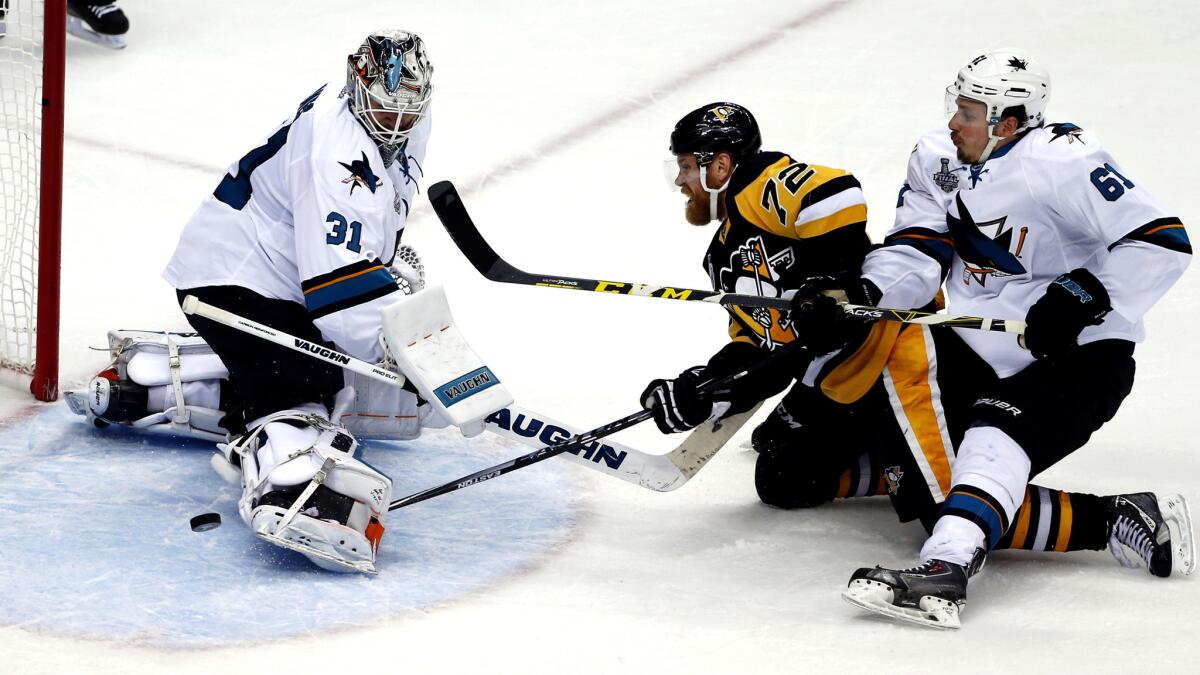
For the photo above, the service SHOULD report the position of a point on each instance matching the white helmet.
(1000, 79)
(390, 73)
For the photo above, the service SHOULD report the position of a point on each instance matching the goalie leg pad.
(381, 409)
(303, 489)
(158, 382)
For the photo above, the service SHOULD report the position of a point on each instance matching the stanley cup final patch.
(466, 386)
(945, 178)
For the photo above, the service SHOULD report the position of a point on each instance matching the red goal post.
(32, 77)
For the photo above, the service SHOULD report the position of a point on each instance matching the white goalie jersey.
(1000, 232)
(312, 215)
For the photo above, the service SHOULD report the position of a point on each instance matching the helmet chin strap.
(715, 193)
(993, 139)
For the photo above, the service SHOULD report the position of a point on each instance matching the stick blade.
(448, 206)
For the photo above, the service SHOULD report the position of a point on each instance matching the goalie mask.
(389, 83)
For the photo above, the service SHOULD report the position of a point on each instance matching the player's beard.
(697, 209)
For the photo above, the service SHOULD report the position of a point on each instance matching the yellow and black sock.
(1054, 520)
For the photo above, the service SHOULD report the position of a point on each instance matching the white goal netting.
(20, 165)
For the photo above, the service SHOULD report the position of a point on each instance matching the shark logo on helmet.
(389, 57)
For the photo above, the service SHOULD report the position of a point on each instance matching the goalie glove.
(408, 270)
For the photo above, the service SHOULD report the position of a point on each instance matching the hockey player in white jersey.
(302, 235)
(1020, 219)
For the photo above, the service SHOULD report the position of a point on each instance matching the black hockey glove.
(1073, 301)
(817, 314)
(677, 404)
(758, 384)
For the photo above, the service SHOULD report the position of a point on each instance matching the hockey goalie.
(303, 235)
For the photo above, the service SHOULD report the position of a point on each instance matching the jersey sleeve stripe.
(351, 287)
(1168, 233)
(930, 242)
(853, 215)
(829, 206)
(340, 273)
(829, 188)
(346, 277)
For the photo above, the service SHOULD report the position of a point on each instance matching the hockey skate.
(932, 594)
(97, 21)
(1158, 530)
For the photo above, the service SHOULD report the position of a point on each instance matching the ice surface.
(96, 538)
(555, 115)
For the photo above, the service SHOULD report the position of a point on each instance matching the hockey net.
(32, 57)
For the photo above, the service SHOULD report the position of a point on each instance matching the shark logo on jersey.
(986, 248)
(753, 271)
(944, 178)
(1065, 130)
(360, 174)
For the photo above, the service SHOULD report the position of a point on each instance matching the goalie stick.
(658, 472)
(661, 473)
(579, 441)
(450, 210)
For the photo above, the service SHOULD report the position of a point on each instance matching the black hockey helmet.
(716, 127)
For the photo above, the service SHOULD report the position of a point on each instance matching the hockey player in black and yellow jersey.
(861, 417)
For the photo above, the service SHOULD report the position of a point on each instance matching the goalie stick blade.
(661, 473)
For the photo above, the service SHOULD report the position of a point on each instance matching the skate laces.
(101, 10)
(923, 568)
(1133, 534)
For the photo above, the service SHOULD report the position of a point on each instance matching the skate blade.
(80, 30)
(876, 597)
(1178, 517)
(320, 558)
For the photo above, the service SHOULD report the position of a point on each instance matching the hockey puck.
(205, 522)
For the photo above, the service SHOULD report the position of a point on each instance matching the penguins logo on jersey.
(893, 475)
(753, 271)
(945, 178)
(360, 174)
(987, 249)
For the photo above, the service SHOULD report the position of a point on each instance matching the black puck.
(205, 522)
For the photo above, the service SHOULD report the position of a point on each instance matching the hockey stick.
(661, 473)
(193, 305)
(581, 440)
(658, 472)
(450, 210)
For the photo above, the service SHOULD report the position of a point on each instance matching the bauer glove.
(1073, 301)
(678, 405)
